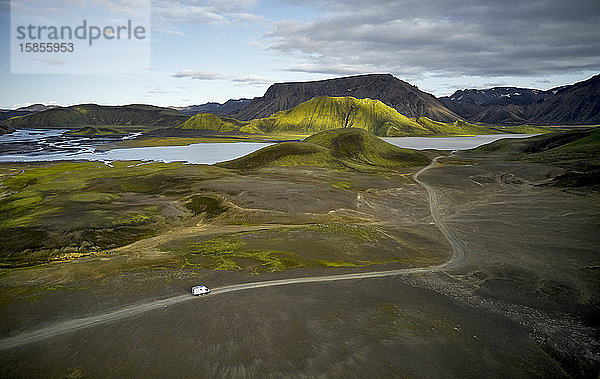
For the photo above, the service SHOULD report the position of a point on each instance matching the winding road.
(459, 253)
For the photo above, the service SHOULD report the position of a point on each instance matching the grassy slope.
(525, 129)
(325, 113)
(350, 148)
(78, 116)
(209, 121)
(576, 151)
(458, 127)
(548, 147)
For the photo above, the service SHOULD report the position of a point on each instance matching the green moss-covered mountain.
(349, 148)
(78, 116)
(326, 113)
(209, 121)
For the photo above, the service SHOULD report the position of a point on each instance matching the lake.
(30, 145)
(449, 143)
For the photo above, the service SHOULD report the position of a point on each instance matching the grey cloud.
(408, 37)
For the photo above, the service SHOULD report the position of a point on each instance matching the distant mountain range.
(227, 108)
(569, 105)
(78, 116)
(308, 107)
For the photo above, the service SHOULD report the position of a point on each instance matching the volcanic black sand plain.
(522, 302)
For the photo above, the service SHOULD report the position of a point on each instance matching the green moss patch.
(64, 209)
(326, 245)
(230, 253)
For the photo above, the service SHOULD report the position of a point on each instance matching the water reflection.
(449, 143)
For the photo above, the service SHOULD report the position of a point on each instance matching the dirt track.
(458, 256)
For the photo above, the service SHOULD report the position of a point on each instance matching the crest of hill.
(78, 116)
(210, 121)
(325, 113)
(576, 152)
(552, 147)
(402, 96)
(348, 148)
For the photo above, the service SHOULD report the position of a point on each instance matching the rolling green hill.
(577, 152)
(549, 147)
(78, 116)
(209, 121)
(349, 148)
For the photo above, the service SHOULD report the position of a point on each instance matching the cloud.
(157, 91)
(27, 104)
(443, 38)
(169, 16)
(210, 75)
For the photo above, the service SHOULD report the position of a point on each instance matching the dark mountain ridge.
(229, 107)
(577, 104)
(498, 96)
(402, 96)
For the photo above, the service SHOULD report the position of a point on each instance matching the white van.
(200, 290)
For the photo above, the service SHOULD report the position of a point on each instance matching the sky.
(215, 50)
